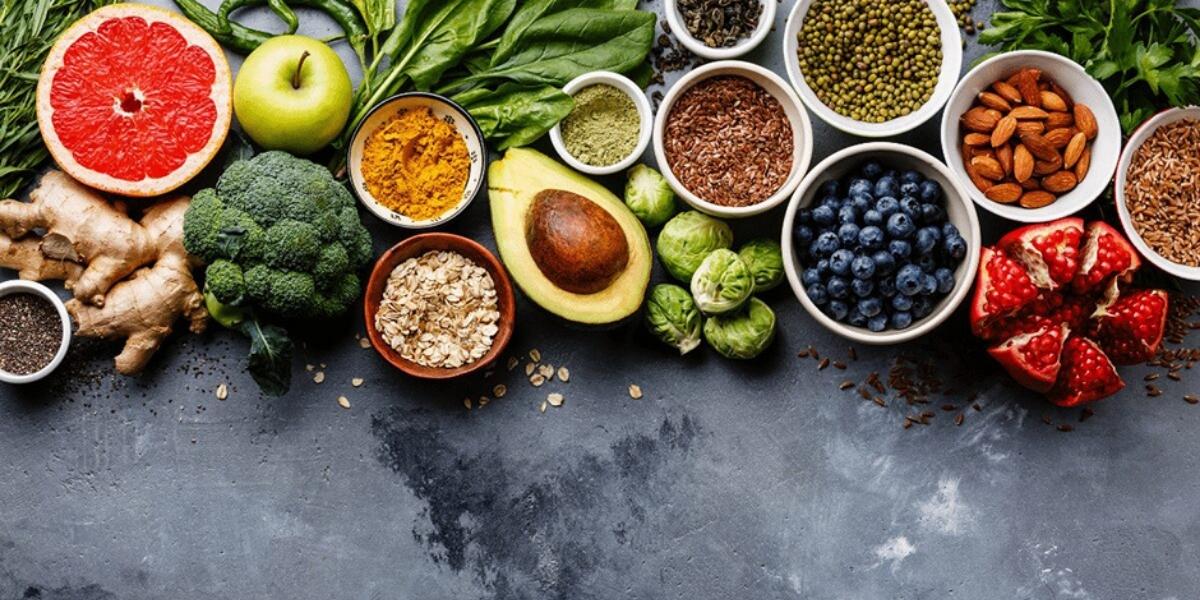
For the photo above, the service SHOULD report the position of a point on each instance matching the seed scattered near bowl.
(635, 391)
(530, 368)
(222, 391)
(543, 407)
(319, 377)
(483, 401)
(537, 380)
(356, 382)
(555, 399)
(1162, 191)
(467, 403)
(364, 343)
(564, 375)
(513, 362)
(344, 402)
(535, 355)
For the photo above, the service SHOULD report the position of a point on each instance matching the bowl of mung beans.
(869, 68)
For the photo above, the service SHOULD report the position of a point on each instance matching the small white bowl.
(444, 109)
(802, 136)
(952, 56)
(1106, 148)
(645, 113)
(959, 210)
(20, 286)
(765, 20)
(1143, 132)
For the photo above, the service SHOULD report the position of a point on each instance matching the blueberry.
(932, 214)
(871, 237)
(837, 287)
(823, 215)
(803, 236)
(823, 267)
(901, 319)
(810, 276)
(911, 206)
(922, 306)
(900, 226)
(861, 202)
(877, 323)
(908, 280)
(885, 263)
(900, 249)
(837, 309)
(927, 262)
(886, 286)
(911, 176)
(929, 285)
(847, 214)
(825, 244)
(931, 191)
(872, 217)
(887, 206)
(910, 189)
(804, 216)
(945, 279)
(949, 230)
(862, 287)
(891, 173)
(886, 186)
(871, 170)
(870, 307)
(839, 262)
(927, 238)
(848, 233)
(831, 201)
(817, 294)
(829, 188)
(955, 247)
(863, 267)
(857, 319)
(901, 302)
(860, 186)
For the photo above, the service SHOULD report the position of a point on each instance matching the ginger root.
(130, 279)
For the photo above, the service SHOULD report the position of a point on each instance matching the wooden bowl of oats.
(439, 306)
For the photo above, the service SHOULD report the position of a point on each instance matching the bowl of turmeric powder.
(417, 160)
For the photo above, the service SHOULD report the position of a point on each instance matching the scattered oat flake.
(635, 391)
(543, 407)
(309, 367)
(356, 382)
(529, 367)
(319, 377)
(513, 362)
(222, 391)
(364, 343)
(500, 390)
(537, 380)
(546, 370)
(555, 399)
(564, 375)
(535, 355)
(483, 401)
(344, 402)
(467, 403)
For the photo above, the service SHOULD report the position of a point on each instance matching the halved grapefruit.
(134, 100)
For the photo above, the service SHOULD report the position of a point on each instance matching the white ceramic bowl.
(959, 210)
(631, 89)
(1106, 148)
(952, 56)
(1143, 132)
(20, 286)
(444, 109)
(765, 20)
(802, 144)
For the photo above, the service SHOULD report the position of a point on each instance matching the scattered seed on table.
(1191, 399)
(535, 356)
(813, 353)
(309, 368)
(500, 390)
(356, 382)
(1150, 377)
(802, 354)
(958, 420)
(546, 370)
(824, 363)
(949, 407)
(1153, 391)
(846, 385)
(344, 402)
(513, 362)
(319, 377)
(529, 367)
(364, 343)
(467, 403)
(635, 391)
(1065, 428)
(537, 380)
(564, 375)
(543, 407)
(222, 391)
(907, 422)
(1173, 376)
(837, 364)
(555, 399)
(879, 401)
(483, 401)
(865, 393)
(977, 407)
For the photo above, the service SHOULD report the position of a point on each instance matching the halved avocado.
(569, 243)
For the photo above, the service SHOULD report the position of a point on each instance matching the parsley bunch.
(1145, 52)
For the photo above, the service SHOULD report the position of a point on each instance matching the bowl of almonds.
(1031, 136)
(439, 306)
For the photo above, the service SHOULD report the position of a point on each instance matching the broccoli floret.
(335, 300)
(293, 295)
(225, 282)
(258, 283)
(332, 264)
(202, 224)
(292, 245)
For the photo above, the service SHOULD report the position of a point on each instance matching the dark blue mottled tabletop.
(726, 480)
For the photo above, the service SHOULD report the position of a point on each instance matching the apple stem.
(299, 68)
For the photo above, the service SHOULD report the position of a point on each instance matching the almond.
(983, 151)
(1053, 102)
(1085, 121)
(1059, 119)
(991, 112)
(988, 168)
(1029, 113)
(1060, 137)
(995, 101)
(1062, 93)
(1008, 92)
(1005, 128)
(1042, 168)
(1085, 163)
(1027, 84)
(1024, 127)
(1074, 149)
(1037, 199)
(1040, 147)
(1022, 163)
(1005, 193)
(1060, 182)
(1004, 156)
(1031, 185)
(972, 174)
(979, 120)
(976, 139)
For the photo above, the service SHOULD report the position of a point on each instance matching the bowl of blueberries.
(881, 243)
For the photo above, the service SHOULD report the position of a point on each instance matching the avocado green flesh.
(513, 182)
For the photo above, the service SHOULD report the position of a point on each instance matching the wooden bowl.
(416, 246)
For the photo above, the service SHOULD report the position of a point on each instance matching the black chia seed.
(30, 333)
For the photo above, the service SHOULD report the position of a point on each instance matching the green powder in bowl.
(603, 127)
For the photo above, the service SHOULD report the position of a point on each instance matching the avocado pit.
(576, 244)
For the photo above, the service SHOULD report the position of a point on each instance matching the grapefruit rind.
(221, 95)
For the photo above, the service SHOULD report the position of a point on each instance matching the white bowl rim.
(750, 71)
(952, 58)
(1136, 139)
(1058, 209)
(766, 20)
(18, 286)
(950, 304)
(382, 212)
(645, 129)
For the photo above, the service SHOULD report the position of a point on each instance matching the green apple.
(292, 93)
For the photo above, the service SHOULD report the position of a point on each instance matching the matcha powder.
(603, 127)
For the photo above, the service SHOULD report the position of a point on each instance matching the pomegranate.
(1106, 253)
(1131, 329)
(1048, 251)
(1002, 288)
(1086, 374)
(1033, 358)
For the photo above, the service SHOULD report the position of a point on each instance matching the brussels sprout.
(743, 334)
(686, 240)
(672, 316)
(722, 283)
(649, 196)
(765, 260)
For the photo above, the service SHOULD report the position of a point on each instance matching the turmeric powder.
(416, 165)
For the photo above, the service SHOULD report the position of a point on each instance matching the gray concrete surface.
(726, 480)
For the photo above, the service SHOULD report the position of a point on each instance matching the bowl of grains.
(1158, 191)
(732, 139)
(417, 160)
(720, 29)
(439, 306)
(870, 68)
(35, 331)
(608, 129)
(1031, 136)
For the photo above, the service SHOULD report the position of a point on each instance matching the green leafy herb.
(514, 116)
(1145, 52)
(270, 362)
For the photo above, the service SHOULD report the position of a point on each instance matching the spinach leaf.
(451, 32)
(379, 15)
(513, 115)
(535, 9)
(270, 362)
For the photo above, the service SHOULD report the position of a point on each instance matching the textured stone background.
(727, 480)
